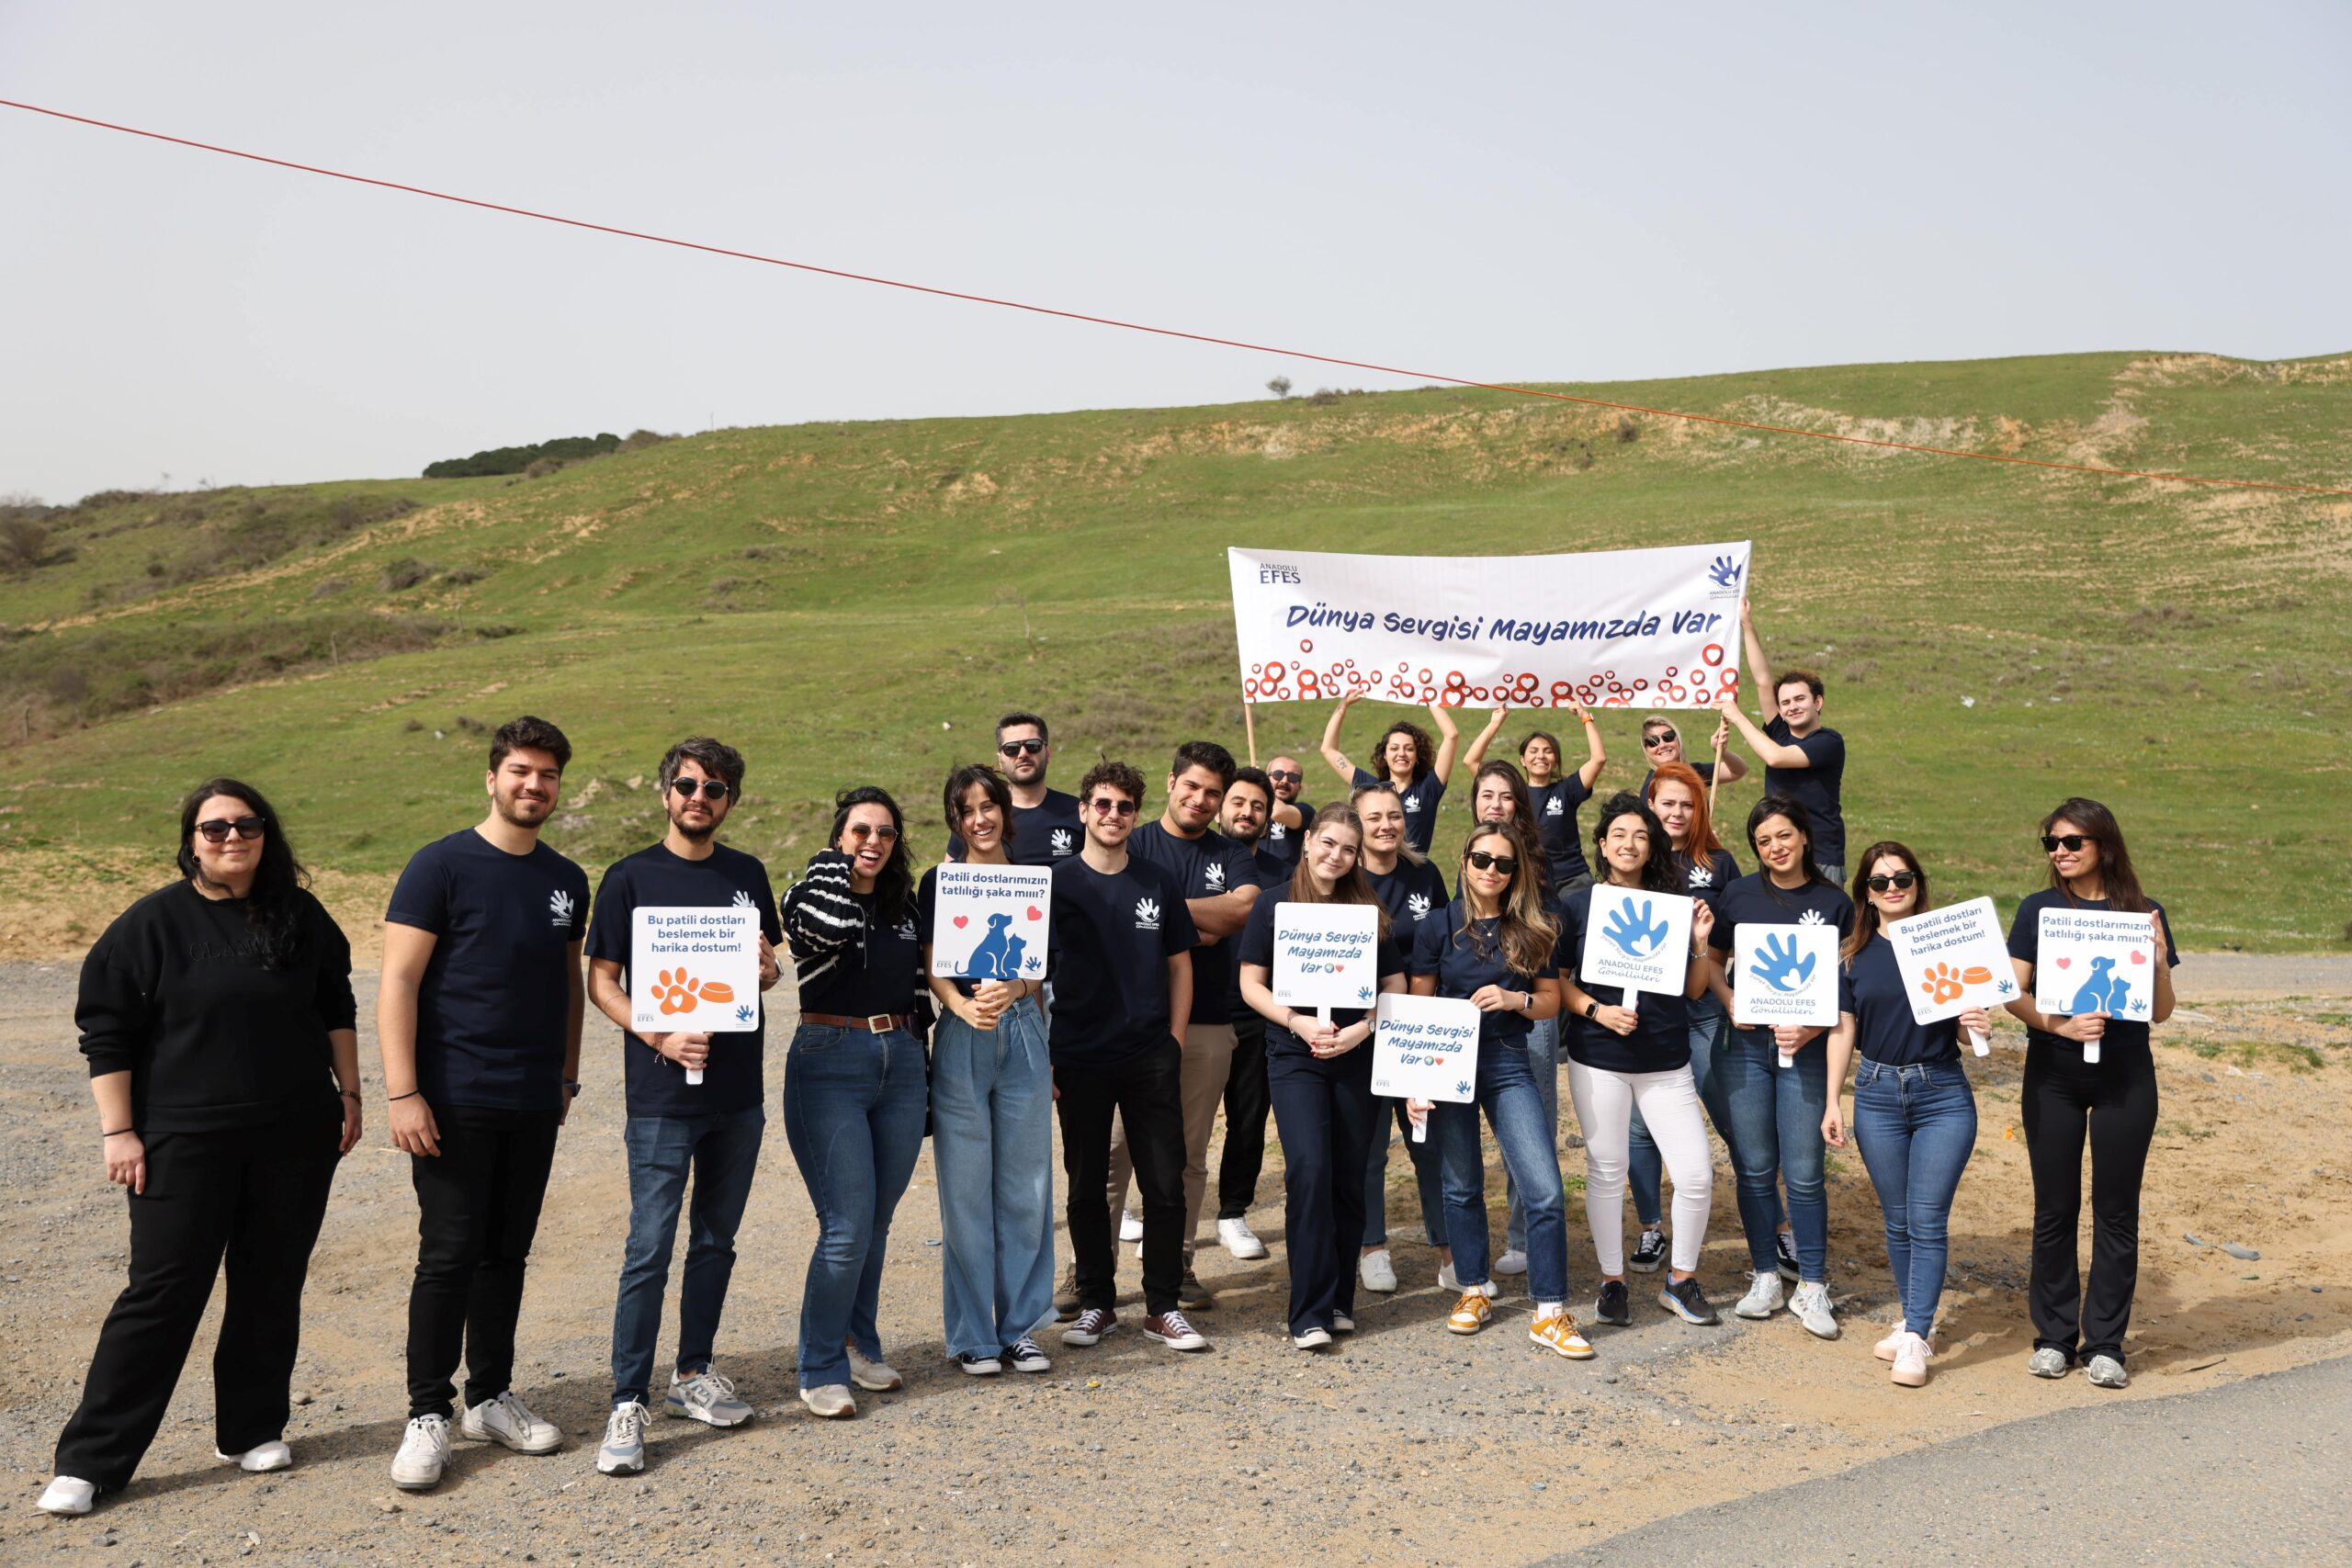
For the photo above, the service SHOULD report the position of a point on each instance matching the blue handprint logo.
(1722, 573)
(1462, 1087)
(2007, 987)
(744, 1013)
(1780, 967)
(1636, 936)
(1363, 993)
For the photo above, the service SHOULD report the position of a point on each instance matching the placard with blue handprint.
(1785, 974)
(989, 922)
(1637, 939)
(1425, 1048)
(1326, 955)
(2095, 960)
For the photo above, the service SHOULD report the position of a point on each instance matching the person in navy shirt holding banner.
(2110, 1103)
(709, 1131)
(478, 1016)
(1804, 761)
(1321, 1077)
(1553, 797)
(1775, 1112)
(1419, 767)
(1287, 820)
(1043, 828)
(1662, 743)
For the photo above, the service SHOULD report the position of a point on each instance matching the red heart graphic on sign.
(2138, 956)
(1337, 967)
(1036, 913)
(963, 920)
(2063, 962)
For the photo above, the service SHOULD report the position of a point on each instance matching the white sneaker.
(1240, 1239)
(68, 1494)
(1809, 1304)
(1512, 1262)
(507, 1420)
(1378, 1271)
(1891, 1346)
(271, 1455)
(1342, 1324)
(1910, 1362)
(425, 1450)
(1447, 1281)
(624, 1446)
(831, 1399)
(705, 1397)
(866, 1373)
(1313, 1339)
(1130, 1225)
(1764, 1295)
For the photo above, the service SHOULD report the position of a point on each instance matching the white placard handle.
(2090, 1053)
(694, 1075)
(1981, 1045)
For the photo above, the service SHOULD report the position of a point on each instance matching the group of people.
(219, 1021)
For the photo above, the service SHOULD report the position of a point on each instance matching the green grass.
(828, 596)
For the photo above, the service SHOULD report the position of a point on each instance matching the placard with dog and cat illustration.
(989, 922)
(694, 967)
(2093, 960)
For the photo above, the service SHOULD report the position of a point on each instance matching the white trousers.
(1670, 1104)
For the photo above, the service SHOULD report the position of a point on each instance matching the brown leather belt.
(876, 1023)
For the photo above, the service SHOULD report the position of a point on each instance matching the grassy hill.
(855, 601)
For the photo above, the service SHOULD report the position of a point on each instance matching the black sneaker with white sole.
(1649, 1254)
(979, 1363)
(1616, 1303)
(1784, 1257)
(1023, 1356)
(1686, 1301)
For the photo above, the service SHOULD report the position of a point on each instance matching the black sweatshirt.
(174, 994)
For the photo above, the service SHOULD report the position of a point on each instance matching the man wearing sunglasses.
(707, 1132)
(1804, 760)
(1045, 828)
(1287, 822)
(1120, 950)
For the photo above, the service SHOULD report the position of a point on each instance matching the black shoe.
(1615, 1304)
(1650, 1253)
(1194, 1296)
(1784, 1251)
(1686, 1301)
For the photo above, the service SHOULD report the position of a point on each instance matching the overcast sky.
(1542, 192)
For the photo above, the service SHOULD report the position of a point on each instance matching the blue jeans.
(1709, 1023)
(1917, 1128)
(1776, 1132)
(854, 1111)
(1392, 1121)
(722, 1151)
(1507, 1091)
(992, 1142)
(1543, 1061)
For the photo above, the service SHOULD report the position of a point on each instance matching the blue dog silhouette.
(987, 960)
(2105, 991)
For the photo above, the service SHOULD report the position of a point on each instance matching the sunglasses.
(2071, 843)
(1284, 776)
(713, 790)
(1663, 737)
(1108, 808)
(1899, 879)
(1019, 748)
(1507, 864)
(868, 831)
(220, 828)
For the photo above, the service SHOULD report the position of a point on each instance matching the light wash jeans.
(1506, 1092)
(1917, 1128)
(992, 1144)
(722, 1152)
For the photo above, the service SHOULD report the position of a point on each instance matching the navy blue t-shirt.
(1707, 879)
(1465, 955)
(1661, 1038)
(1113, 936)
(2025, 943)
(1206, 867)
(1815, 787)
(1556, 824)
(886, 980)
(1041, 834)
(1872, 987)
(1706, 772)
(494, 1005)
(1421, 798)
(733, 1078)
(1257, 947)
(1753, 900)
(1411, 893)
(1284, 844)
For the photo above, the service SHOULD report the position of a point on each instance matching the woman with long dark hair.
(1554, 796)
(1498, 792)
(855, 1097)
(1775, 1112)
(1915, 1114)
(992, 1103)
(1407, 757)
(218, 1019)
(2109, 1102)
(1318, 1072)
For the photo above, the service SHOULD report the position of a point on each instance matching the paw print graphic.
(1943, 983)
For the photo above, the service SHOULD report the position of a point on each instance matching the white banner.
(1326, 955)
(1613, 628)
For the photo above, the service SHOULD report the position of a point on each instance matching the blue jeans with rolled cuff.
(1776, 1133)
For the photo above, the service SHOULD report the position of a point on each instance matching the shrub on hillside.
(26, 546)
(519, 459)
(405, 572)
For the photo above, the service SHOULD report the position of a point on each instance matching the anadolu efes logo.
(558, 908)
(1417, 906)
(1061, 841)
(1147, 914)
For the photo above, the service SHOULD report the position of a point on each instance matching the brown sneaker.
(1194, 1296)
(1558, 1333)
(1091, 1324)
(1471, 1313)
(1066, 1302)
(1170, 1329)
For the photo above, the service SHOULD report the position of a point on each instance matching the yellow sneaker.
(1471, 1313)
(1558, 1333)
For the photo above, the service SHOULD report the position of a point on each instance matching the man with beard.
(1045, 821)
(1287, 825)
(478, 1018)
(1247, 1099)
(709, 1131)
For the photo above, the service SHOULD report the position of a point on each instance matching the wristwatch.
(1593, 1006)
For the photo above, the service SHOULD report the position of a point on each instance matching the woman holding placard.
(2088, 1076)
(1318, 1073)
(854, 1093)
(1776, 1109)
(1408, 759)
(1621, 1056)
(1500, 794)
(1915, 1114)
(992, 1106)
(1494, 947)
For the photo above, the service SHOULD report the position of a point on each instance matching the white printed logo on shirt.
(1812, 917)
(559, 908)
(1214, 876)
(1704, 876)
(1277, 832)
(741, 900)
(1552, 807)
(1061, 841)
(1147, 914)
(1412, 802)
(1417, 906)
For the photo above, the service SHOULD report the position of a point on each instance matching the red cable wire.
(1178, 332)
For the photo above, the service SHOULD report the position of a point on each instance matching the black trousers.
(251, 1199)
(1246, 1105)
(1328, 1119)
(477, 1209)
(2113, 1105)
(1143, 1090)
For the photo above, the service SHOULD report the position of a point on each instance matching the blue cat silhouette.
(1013, 948)
(987, 960)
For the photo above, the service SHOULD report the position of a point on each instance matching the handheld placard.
(1638, 939)
(1785, 977)
(1425, 1048)
(989, 922)
(1326, 955)
(1953, 959)
(694, 967)
(2095, 960)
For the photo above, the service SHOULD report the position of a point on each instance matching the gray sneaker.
(705, 1397)
(2048, 1363)
(866, 1373)
(623, 1445)
(2106, 1372)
